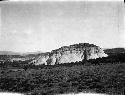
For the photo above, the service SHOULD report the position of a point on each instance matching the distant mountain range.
(9, 53)
(18, 53)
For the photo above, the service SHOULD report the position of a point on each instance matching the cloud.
(21, 33)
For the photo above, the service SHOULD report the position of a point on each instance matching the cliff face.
(72, 53)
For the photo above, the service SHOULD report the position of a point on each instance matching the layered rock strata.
(72, 53)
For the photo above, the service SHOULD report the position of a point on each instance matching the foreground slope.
(59, 79)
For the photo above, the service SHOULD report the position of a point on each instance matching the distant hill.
(9, 53)
(114, 50)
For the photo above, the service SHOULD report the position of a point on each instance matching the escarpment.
(72, 53)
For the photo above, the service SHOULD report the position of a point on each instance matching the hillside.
(50, 80)
(68, 54)
(65, 54)
(100, 75)
(114, 50)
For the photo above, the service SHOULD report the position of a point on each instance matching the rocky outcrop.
(72, 53)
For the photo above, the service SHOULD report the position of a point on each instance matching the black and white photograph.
(62, 47)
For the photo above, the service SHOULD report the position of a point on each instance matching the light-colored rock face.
(72, 53)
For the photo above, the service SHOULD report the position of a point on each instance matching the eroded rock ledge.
(72, 53)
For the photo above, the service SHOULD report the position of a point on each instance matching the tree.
(85, 56)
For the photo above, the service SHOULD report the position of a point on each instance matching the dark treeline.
(112, 58)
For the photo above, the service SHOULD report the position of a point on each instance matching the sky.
(44, 26)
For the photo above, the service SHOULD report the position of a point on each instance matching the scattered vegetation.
(103, 75)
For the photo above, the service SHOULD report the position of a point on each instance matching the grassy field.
(49, 80)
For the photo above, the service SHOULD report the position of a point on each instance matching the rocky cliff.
(72, 53)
